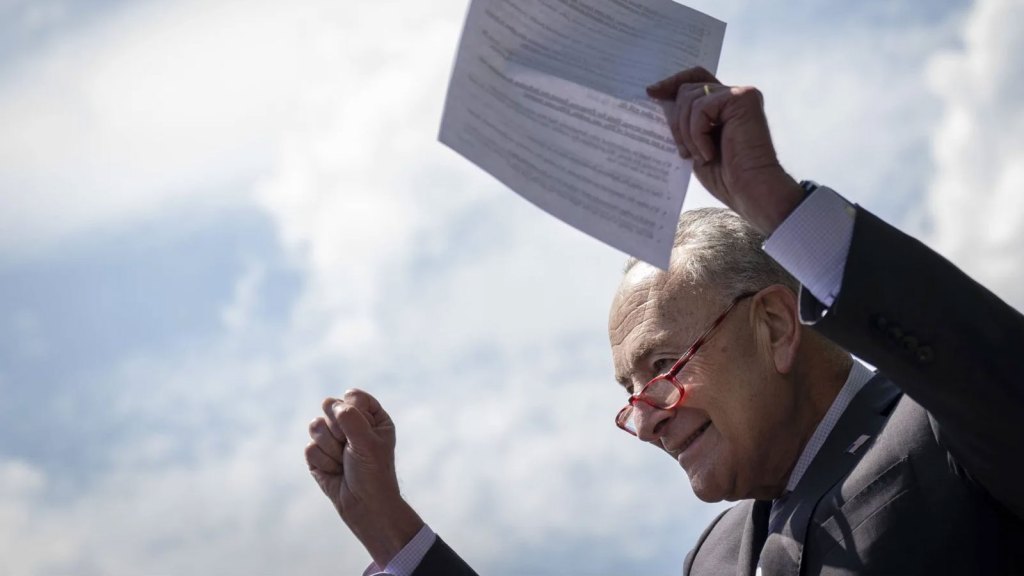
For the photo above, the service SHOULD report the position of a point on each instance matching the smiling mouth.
(693, 437)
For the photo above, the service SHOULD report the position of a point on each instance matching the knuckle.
(750, 93)
(359, 399)
(698, 74)
(347, 412)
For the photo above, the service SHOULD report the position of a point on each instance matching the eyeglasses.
(665, 392)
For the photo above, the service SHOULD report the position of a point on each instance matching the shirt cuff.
(408, 559)
(813, 241)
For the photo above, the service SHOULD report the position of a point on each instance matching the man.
(915, 470)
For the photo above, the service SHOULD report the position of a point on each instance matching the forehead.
(651, 307)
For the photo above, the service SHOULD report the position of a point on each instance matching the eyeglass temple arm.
(693, 348)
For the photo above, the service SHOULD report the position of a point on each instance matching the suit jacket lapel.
(783, 551)
(754, 533)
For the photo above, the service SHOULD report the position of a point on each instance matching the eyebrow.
(637, 356)
(640, 353)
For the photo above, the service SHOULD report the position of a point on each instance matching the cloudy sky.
(213, 214)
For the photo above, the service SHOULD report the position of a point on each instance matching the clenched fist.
(352, 458)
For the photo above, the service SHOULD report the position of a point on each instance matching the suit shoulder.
(717, 549)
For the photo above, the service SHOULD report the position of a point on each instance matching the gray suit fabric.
(938, 485)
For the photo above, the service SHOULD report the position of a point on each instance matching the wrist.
(777, 197)
(385, 533)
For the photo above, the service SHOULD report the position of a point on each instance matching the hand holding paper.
(725, 131)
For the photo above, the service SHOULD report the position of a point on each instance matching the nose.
(649, 420)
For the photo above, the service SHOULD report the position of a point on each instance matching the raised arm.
(948, 342)
(352, 458)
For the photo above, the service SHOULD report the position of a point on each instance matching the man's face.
(736, 405)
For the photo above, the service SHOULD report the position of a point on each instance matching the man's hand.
(352, 458)
(724, 130)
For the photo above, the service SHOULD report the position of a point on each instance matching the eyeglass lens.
(660, 393)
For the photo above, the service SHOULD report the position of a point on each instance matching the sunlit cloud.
(974, 196)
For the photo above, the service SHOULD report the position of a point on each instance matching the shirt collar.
(858, 377)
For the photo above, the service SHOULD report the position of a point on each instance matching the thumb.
(355, 427)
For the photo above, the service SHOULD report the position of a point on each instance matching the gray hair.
(716, 248)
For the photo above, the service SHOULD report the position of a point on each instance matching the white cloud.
(156, 105)
(243, 512)
(27, 543)
(975, 195)
(239, 316)
(848, 104)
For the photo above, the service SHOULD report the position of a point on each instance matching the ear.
(775, 313)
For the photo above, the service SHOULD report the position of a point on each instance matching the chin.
(707, 492)
(711, 497)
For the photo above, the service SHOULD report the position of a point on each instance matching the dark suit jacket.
(937, 487)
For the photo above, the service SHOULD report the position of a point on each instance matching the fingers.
(322, 437)
(328, 407)
(668, 88)
(701, 110)
(356, 428)
(369, 406)
(356, 420)
(364, 401)
(687, 95)
(317, 459)
(704, 118)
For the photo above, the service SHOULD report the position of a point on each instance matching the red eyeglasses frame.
(672, 372)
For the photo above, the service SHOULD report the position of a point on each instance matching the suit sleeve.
(947, 341)
(441, 560)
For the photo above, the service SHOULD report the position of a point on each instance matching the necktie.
(775, 518)
(760, 514)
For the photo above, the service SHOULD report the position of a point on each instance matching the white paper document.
(548, 97)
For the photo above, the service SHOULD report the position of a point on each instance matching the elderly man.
(730, 366)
